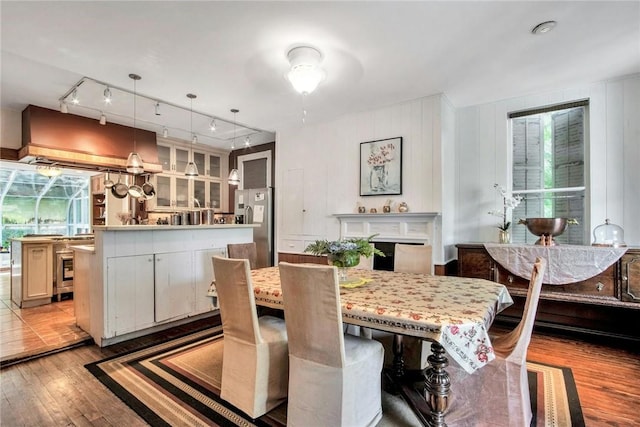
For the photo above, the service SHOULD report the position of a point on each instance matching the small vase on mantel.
(504, 236)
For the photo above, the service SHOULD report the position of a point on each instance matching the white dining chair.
(244, 251)
(503, 379)
(334, 378)
(408, 259)
(255, 363)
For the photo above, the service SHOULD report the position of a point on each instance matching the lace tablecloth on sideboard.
(565, 263)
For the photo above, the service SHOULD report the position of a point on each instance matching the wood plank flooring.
(56, 390)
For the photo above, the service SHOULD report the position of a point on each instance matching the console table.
(606, 304)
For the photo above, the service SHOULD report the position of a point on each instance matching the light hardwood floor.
(56, 390)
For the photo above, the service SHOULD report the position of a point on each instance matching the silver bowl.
(548, 227)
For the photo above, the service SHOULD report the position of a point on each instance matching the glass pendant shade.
(234, 177)
(191, 170)
(134, 163)
(608, 234)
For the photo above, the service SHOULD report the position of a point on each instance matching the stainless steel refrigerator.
(255, 206)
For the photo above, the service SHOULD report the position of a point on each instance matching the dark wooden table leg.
(436, 385)
(398, 358)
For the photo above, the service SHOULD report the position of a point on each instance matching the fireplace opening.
(388, 249)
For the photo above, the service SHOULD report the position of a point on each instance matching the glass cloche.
(608, 234)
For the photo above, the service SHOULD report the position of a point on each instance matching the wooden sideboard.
(607, 304)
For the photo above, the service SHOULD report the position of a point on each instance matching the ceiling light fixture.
(107, 95)
(213, 126)
(191, 170)
(103, 119)
(165, 132)
(247, 141)
(48, 170)
(305, 74)
(234, 175)
(158, 113)
(134, 161)
(543, 27)
(64, 108)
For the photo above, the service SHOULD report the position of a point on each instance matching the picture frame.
(381, 167)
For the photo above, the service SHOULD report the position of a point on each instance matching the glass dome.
(608, 234)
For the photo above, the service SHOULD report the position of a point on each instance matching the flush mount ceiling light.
(305, 74)
(543, 27)
(134, 161)
(191, 170)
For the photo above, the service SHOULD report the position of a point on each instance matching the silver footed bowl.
(545, 226)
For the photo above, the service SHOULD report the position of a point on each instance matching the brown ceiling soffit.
(67, 138)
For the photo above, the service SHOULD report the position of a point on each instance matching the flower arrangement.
(344, 253)
(383, 155)
(508, 202)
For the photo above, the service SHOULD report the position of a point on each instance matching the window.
(34, 204)
(549, 168)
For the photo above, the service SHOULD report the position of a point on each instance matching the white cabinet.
(204, 275)
(302, 212)
(174, 285)
(174, 191)
(31, 273)
(129, 294)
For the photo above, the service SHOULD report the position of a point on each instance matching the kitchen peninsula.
(140, 279)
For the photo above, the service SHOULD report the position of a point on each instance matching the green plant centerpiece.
(344, 253)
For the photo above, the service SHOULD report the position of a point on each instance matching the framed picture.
(381, 167)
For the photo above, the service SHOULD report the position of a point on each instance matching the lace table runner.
(565, 263)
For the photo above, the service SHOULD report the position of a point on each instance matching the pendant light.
(134, 161)
(191, 170)
(234, 175)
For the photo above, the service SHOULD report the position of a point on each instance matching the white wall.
(613, 164)
(10, 129)
(329, 153)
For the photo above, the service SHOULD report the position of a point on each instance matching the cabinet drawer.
(292, 246)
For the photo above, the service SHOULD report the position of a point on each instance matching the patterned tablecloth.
(453, 311)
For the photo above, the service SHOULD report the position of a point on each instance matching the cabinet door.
(130, 303)
(164, 157)
(174, 285)
(475, 262)
(182, 193)
(213, 168)
(631, 276)
(182, 158)
(199, 160)
(215, 196)
(37, 271)
(163, 192)
(199, 194)
(203, 274)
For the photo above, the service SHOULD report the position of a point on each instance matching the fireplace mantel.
(408, 227)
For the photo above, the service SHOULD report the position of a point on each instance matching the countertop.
(84, 248)
(169, 227)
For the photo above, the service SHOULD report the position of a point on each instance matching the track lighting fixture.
(191, 170)
(74, 97)
(213, 126)
(165, 132)
(247, 141)
(234, 175)
(103, 119)
(158, 113)
(134, 161)
(107, 95)
(64, 108)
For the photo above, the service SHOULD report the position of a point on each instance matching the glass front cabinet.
(174, 191)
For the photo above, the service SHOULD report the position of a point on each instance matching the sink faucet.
(196, 202)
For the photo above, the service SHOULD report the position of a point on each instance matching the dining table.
(453, 313)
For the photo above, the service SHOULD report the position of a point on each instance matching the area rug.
(177, 383)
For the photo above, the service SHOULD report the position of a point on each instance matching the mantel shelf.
(399, 227)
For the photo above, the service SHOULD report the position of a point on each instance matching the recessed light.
(543, 27)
